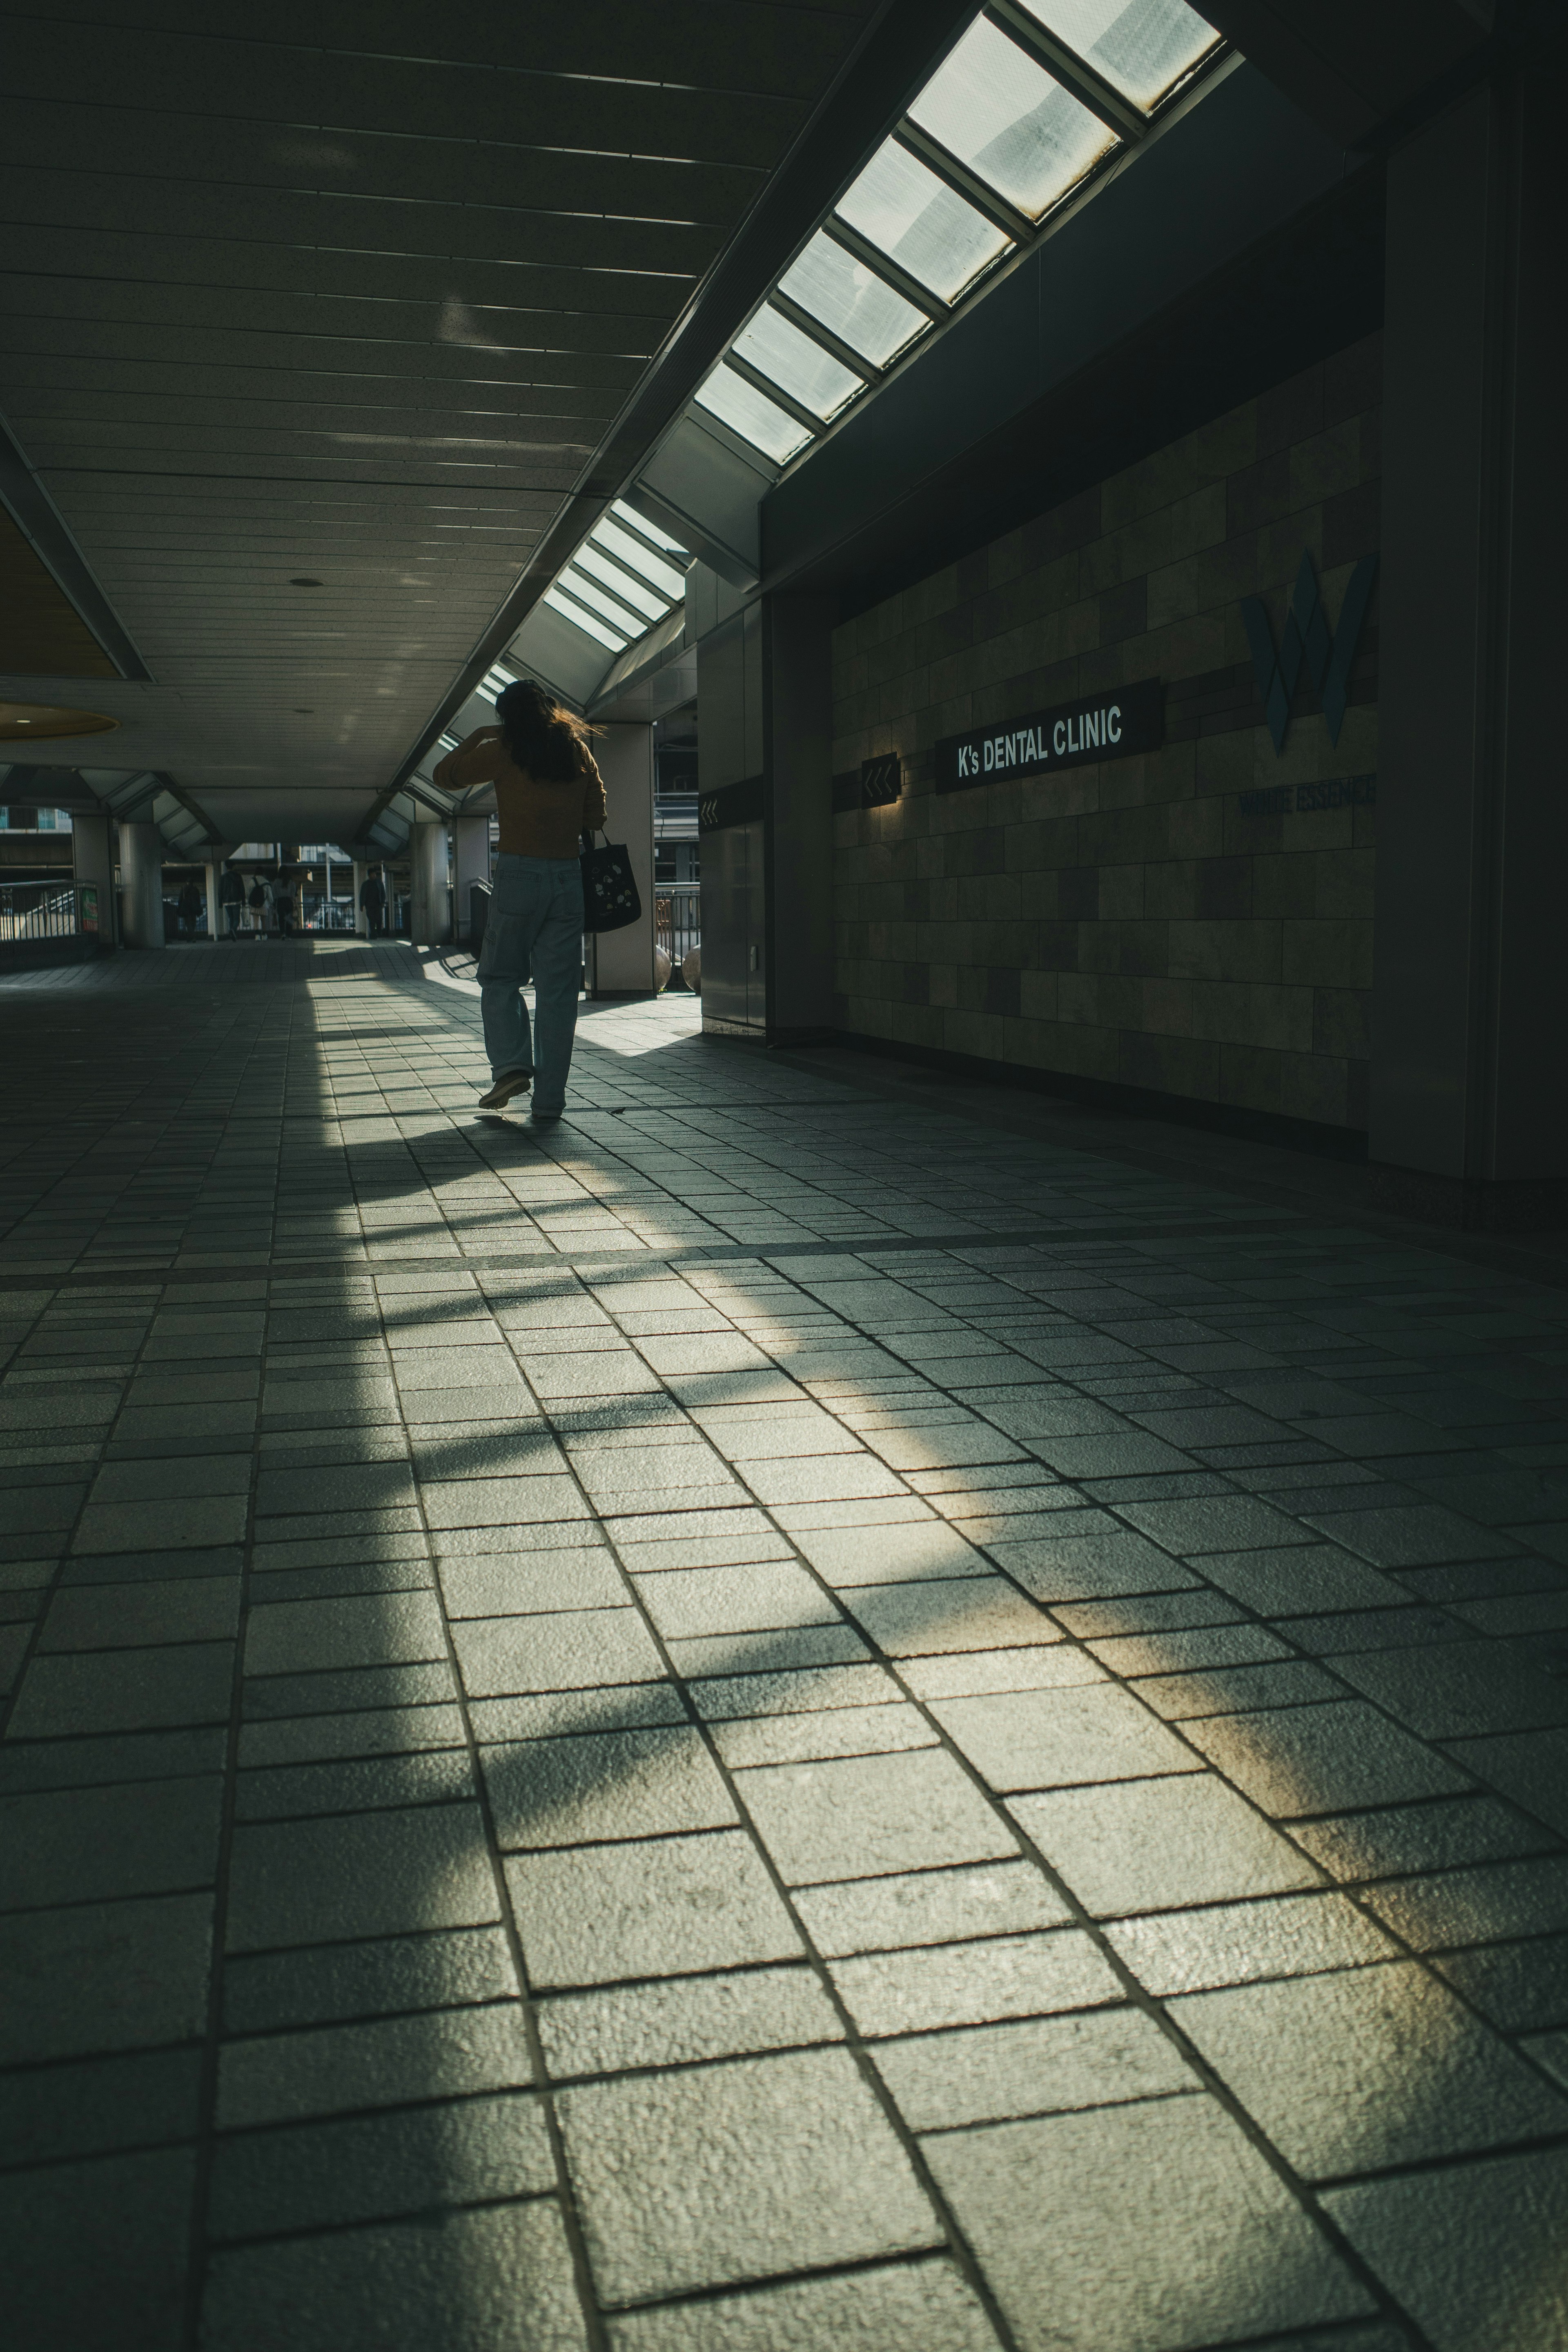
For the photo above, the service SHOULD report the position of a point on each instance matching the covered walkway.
(781, 1721)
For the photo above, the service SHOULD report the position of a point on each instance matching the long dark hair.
(541, 736)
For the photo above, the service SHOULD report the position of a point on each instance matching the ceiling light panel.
(778, 349)
(752, 416)
(642, 599)
(591, 627)
(860, 308)
(998, 111)
(1143, 47)
(639, 559)
(916, 218)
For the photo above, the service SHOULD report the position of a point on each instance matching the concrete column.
(622, 961)
(215, 912)
(471, 863)
(1469, 1122)
(361, 920)
(428, 919)
(92, 858)
(798, 817)
(142, 878)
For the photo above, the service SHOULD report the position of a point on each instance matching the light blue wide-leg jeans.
(534, 927)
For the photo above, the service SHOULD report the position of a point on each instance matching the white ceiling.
(350, 293)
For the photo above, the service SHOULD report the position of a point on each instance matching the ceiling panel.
(350, 293)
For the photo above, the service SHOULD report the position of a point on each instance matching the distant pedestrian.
(283, 907)
(231, 898)
(548, 793)
(372, 900)
(259, 900)
(190, 904)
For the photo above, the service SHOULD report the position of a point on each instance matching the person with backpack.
(548, 793)
(231, 898)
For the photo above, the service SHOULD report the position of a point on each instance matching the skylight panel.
(914, 216)
(1141, 47)
(752, 416)
(860, 307)
(642, 599)
(640, 559)
(778, 349)
(1002, 114)
(609, 608)
(579, 619)
(648, 530)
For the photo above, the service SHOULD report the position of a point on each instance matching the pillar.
(1468, 1119)
(92, 859)
(361, 920)
(622, 961)
(215, 912)
(429, 917)
(142, 881)
(471, 863)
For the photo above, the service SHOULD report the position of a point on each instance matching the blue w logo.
(1307, 638)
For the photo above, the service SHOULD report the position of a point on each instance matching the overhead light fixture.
(36, 719)
(307, 584)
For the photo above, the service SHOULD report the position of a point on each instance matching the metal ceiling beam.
(894, 58)
(45, 530)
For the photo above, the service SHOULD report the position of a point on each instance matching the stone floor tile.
(603, 1786)
(90, 1845)
(1367, 2068)
(1150, 1846)
(399, 1731)
(943, 1613)
(592, 1915)
(686, 1603)
(1549, 2051)
(334, 1982)
(864, 1815)
(551, 1714)
(1187, 1649)
(442, 2055)
(1322, 1759)
(788, 1650)
(1070, 1566)
(790, 1690)
(1310, 1577)
(1061, 1738)
(360, 1874)
(150, 1612)
(1461, 1691)
(104, 1977)
(1167, 2229)
(124, 1690)
(499, 2280)
(374, 2167)
(1472, 2250)
(1228, 1523)
(98, 2107)
(1477, 1907)
(973, 1674)
(1410, 1535)
(813, 1737)
(1030, 2066)
(684, 2020)
(942, 1985)
(1531, 1766)
(120, 2284)
(1236, 1943)
(1445, 1833)
(579, 1650)
(384, 1629)
(710, 2176)
(169, 1525)
(897, 1554)
(1518, 1988)
(926, 2303)
(929, 1906)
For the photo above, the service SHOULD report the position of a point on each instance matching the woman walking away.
(548, 791)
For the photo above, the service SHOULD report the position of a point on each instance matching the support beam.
(92, 859)
(429, 912)
(142, 880)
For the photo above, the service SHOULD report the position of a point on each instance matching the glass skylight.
(752, 416)
(641, 559)
(777, 348)
(643, 600)
(998, 111)
(1141, 47)
(648, 530)
(914, 216)
(859, 307)
(609, 608)
(615, 639)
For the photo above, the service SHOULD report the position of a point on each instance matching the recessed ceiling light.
(42, 718)
(306, 583)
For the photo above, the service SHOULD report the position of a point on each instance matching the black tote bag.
(610, 898)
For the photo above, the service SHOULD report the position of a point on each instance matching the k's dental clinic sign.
(1116, 725)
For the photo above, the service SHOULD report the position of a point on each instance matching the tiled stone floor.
(776, 1722)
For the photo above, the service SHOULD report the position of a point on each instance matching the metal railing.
(678, 920)
(45, 910)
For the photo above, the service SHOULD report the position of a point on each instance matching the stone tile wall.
(1130, 922)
